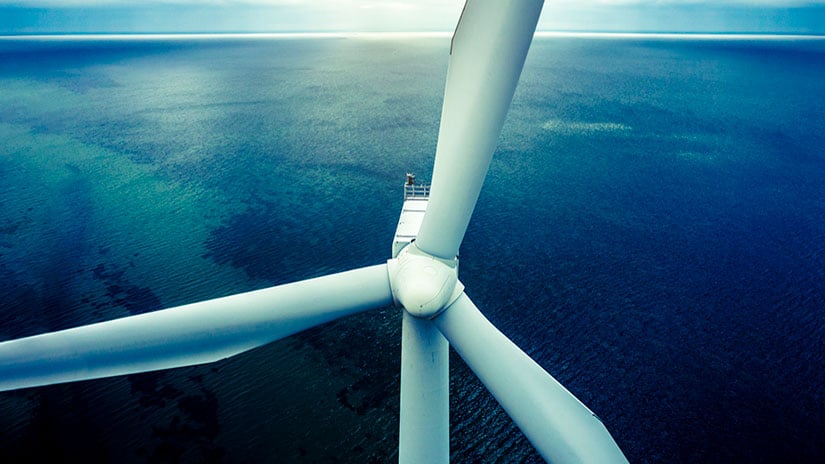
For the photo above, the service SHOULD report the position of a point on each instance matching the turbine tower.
(486, 57)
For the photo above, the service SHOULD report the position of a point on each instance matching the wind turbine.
(487, 54)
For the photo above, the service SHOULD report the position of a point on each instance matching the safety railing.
(416, 191)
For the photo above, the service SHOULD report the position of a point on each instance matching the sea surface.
(651, 231)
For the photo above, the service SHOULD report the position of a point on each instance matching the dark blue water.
(652, 232)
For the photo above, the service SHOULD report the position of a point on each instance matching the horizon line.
(399, 34)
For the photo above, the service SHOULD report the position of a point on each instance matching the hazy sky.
(44, 16)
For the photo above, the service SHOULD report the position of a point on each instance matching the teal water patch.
(113, 210)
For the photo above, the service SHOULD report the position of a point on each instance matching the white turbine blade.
(488, 52)
(191, 334)
(424, 434)
(562, 429)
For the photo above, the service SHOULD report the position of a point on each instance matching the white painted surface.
(192, 334)
(412, 214)
(424, 433)
(563, 430)
(488, 52)
(424, 285)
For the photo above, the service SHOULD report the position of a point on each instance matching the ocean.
(651, 231)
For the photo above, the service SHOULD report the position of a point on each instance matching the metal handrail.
(412, 191)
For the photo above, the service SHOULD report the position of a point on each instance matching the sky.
(193, 16)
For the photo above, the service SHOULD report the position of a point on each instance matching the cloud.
(335, 4)
(394, 4)
(715, 3)
(80, 16)
(699, 16)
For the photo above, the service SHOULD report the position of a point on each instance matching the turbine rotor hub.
(423, 284)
